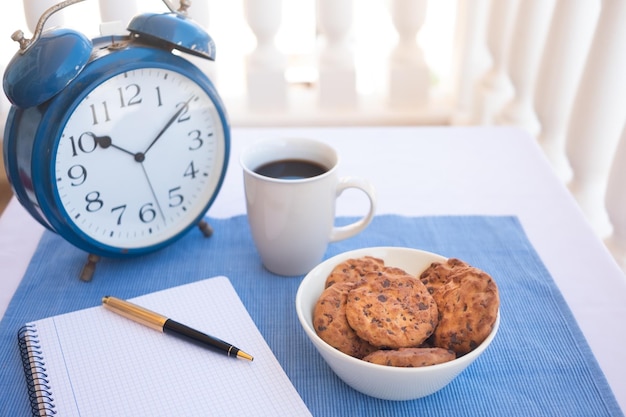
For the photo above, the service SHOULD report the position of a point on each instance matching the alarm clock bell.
(41, 69)
(59, 59)
(175, 31)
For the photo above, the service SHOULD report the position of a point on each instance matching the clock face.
(140, 158)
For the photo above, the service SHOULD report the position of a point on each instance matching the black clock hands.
(105, 142)
(145, 173)
(180, 111)
(141, 156)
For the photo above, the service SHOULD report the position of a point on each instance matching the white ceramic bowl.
(385, 382)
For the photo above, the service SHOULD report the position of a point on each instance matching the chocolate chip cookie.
(468, 303)
(352, 270)
(391, 311)
(438, 273)
(329, 321)
(410, 357)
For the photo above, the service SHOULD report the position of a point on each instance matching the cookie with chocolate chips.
(438, 273)
(468, 302)
(353, 270)
(391, 310)
(330, 323)
(410, 357)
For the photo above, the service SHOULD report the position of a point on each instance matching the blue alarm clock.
(117, 144)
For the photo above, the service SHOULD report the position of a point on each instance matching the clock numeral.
(191, 171)
(121, 209)
(196, 138)
(176, 199)
(78, 173)
(132, 92)
(100, 114)
(147, 213)
(184, 115)
(86, 143)
(93, 202)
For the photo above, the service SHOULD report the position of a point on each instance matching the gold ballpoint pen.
(166, 325)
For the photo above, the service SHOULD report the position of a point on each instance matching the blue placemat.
(538, 365)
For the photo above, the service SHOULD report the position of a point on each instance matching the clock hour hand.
(105, 141)
(169, 123)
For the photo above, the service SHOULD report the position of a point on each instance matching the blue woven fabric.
(538, 365)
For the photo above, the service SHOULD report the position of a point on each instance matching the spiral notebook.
(93, 362)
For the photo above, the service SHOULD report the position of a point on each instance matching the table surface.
(436, 171)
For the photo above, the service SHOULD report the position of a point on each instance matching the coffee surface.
(291, 169)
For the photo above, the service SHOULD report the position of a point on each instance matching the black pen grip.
(201, 339)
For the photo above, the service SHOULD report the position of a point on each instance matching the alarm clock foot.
(205, 228)
(90, 268)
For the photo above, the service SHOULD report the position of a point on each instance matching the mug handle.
(344, 232)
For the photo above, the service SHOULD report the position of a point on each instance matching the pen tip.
(244, 355)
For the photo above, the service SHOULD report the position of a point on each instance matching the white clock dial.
(139, 158)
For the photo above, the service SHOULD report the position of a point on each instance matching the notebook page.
(101, 364)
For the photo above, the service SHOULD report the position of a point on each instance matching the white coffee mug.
(292, 216)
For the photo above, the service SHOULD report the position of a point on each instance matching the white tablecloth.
(434, 171)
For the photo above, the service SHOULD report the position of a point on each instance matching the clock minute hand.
(169, 123)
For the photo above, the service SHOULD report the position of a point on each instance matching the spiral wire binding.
(39, 390)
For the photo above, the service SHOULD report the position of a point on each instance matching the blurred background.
(551, 67)
(367, 30)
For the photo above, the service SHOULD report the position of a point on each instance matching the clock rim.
(17, 148)
(56, 115)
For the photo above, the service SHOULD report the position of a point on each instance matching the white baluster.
(409, 76)
(616, 203)
(337, 73)
(494, 88)
(531, 28)
(118, 11)
(598, 115)
(33, 9)
(115, 16)
(265, 65)
(471, 58)
(567, 45)
(199, 11)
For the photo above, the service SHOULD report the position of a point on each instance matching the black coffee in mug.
(291, 169)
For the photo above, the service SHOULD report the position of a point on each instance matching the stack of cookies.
(384, 315)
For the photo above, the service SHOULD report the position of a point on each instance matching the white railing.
(552, 67)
